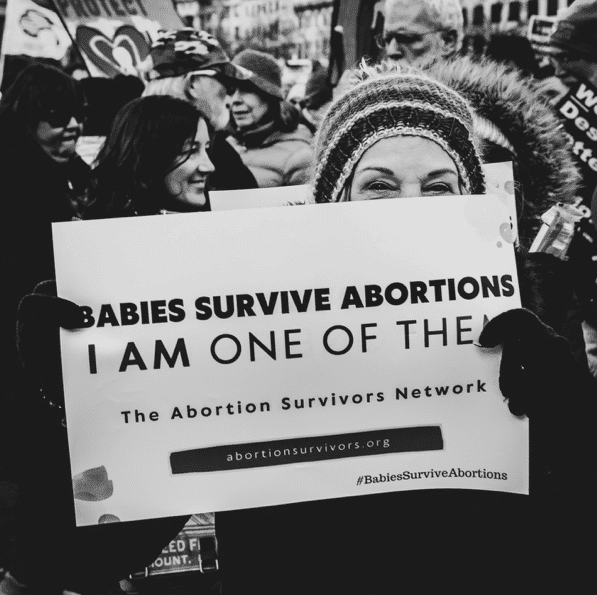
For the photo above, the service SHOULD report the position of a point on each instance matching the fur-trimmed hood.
(543, 161)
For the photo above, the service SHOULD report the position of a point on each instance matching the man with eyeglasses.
(418, 31)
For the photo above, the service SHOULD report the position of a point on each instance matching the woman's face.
(402, 167)
(185, 184)
(57, 135)
(248, 108)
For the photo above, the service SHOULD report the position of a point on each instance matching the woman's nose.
(394, 49)
(410, 191)
(205, 164)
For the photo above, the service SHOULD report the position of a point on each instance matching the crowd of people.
(204, 122)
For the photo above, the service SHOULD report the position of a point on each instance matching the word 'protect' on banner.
(250, 358)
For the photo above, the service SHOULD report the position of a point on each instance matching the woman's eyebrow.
(441, 172)
(378, 168)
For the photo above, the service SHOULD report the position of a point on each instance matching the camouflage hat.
(182, 51)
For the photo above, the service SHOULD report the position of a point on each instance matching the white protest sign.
(228, 200)
(33, 29)
(252, 358)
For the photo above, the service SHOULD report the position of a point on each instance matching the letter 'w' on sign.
(587, 96)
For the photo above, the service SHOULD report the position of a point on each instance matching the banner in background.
(115, 36)
(250, 358)
(33, 29)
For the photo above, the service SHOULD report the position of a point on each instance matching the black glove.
(537, 370)
(40, 316)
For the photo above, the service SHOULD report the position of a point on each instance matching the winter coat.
(277, 158)
(516, 124)
(36, 191)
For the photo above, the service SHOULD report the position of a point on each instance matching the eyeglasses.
(228, 84)
(403, 39)
(60, 117)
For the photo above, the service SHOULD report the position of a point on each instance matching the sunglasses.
(60, 117)
(401, 39)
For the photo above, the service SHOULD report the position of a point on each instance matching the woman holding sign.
(397, 133)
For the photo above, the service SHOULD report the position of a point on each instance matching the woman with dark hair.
(154, 161)
(271, 140)
(41, 118)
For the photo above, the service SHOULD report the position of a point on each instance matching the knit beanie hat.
(266, 72)
(576, 29)
(393, 101)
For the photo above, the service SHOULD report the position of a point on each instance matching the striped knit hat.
(393, 101)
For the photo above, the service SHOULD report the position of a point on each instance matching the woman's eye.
(378, 185)
(439, 188)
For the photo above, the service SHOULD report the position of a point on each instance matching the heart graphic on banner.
(123, 54)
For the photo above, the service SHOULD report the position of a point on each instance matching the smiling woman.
(271, 141)
(154, 161)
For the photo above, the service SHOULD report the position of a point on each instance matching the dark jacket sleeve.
(230, 171)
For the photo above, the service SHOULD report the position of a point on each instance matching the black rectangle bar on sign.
(301, 450)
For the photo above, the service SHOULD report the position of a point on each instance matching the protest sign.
(33, 29)
(228, 200)
(539, 32)
(114, 36)
(251, 358)
(192, 550)
(578, 109)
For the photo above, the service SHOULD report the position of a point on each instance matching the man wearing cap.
(419, 31)
(192, 65)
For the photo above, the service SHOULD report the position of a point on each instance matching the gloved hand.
(537, 369)
(40, 316)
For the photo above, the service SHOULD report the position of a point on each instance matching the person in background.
(420, 31)
(573, 46)
(318, 96)
(43, 181)
(155, 160)
(513, 50)
(272, 142)
(133, 177)
(191, 65)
